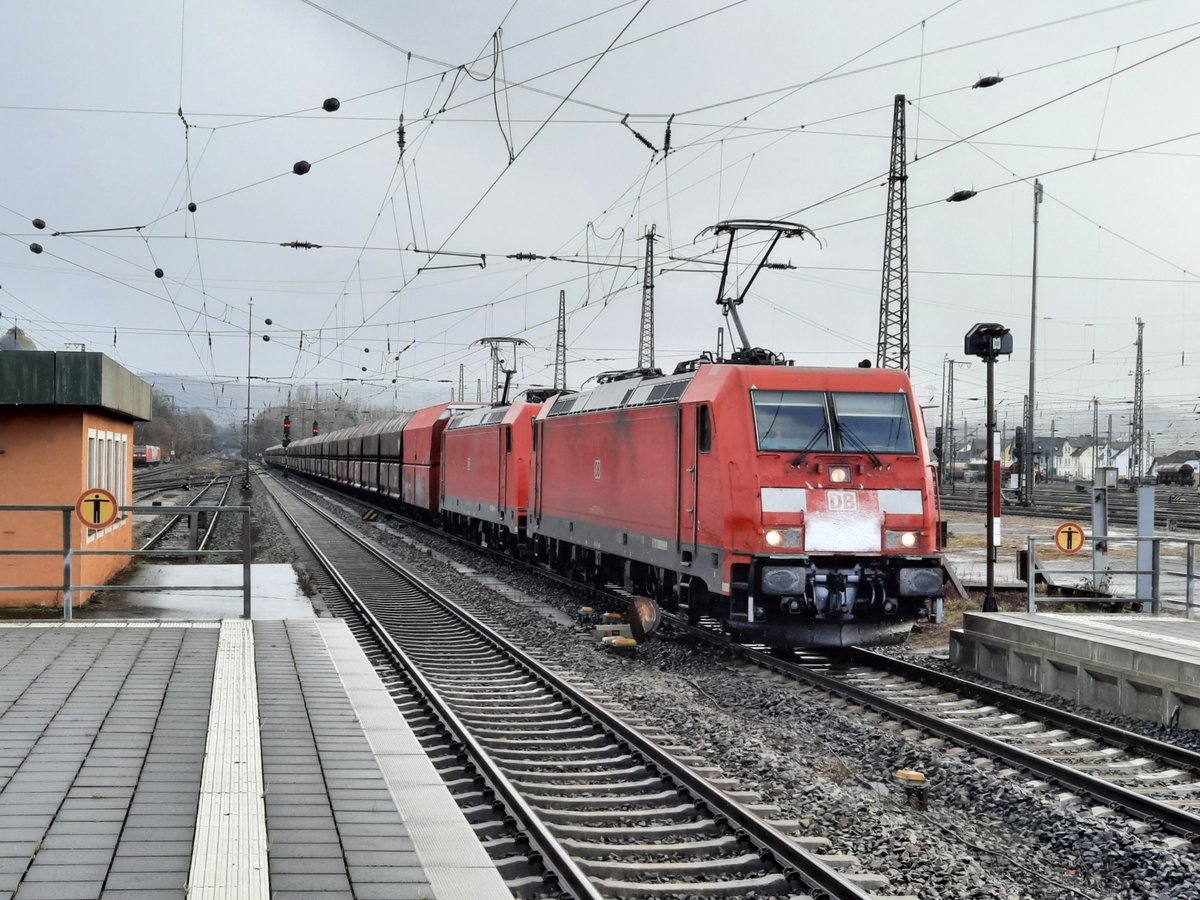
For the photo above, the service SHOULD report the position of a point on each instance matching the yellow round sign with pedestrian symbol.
(96, 508)
(1069, 538)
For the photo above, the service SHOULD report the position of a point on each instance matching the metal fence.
(68, 552)
(1155, 558)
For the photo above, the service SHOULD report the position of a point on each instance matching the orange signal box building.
(66, 425)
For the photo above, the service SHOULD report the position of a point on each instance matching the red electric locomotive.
(796, 505)
(486, 457)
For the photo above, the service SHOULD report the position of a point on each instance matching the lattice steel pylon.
(1138, 437)
(646, 341)
(560, 347)
(892, 350)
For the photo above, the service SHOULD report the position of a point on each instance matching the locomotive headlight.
(839, 474)
(788, 538)
(901, 540)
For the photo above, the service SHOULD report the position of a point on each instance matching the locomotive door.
(503, 448)
(687, 483)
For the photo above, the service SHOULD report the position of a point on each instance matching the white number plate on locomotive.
(841, 501)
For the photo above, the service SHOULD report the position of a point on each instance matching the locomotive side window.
(791, 420)
(704, 429)
(875, 422)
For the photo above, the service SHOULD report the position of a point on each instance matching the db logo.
(841, 501)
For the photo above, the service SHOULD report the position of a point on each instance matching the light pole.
(249, 352)
(1027, 451)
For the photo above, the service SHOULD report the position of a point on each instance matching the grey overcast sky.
(117, 115)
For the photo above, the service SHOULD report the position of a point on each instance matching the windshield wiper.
(812, 442)
(844, 431)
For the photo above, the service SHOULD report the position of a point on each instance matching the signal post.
(989, 341)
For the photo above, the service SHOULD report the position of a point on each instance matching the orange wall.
(44, 462)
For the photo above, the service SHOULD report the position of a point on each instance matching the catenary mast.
(892, 351)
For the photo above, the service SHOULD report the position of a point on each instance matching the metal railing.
(68, 553)
(1148, 572)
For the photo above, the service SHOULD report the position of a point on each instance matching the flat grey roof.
(61, 378)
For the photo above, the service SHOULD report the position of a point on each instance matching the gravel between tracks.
(984, 834)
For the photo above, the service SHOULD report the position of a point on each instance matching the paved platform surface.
(1143, 666)
(217, 759)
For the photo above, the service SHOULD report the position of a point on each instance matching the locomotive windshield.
(791, 420)
(864, 422)
(874, 422)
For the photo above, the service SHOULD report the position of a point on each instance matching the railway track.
(1099, 771)
(174, 535)
(605, 808)
(1176, 508)
(1116, 771)
(1164, 775)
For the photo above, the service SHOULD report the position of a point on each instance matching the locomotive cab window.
(791, 420)
(878, 423)
(703, 429)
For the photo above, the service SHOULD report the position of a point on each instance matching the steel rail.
(175, 517)
(202, 544)
(1101, 731)
(795, 862)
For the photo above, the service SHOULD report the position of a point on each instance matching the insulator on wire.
(36, 248)
(158, 273)
(987, 81)
(332, 104)
(191, 207)
(959, 196)
(302, 167)
(39, 224)
(268, 322)
(266, 337)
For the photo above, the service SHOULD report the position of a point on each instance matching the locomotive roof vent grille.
(648, 393)
(563, 406)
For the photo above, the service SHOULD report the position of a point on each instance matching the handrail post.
(1030, 575)
(68, 560)
(1190, 611)
(1155, 579)
(246, 563)
(193, 540)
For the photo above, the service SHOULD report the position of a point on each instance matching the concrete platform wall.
(1096, 664)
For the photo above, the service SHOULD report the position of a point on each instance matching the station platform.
(1142, 666)
(251, 759)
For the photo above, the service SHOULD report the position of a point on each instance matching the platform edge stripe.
(229, 851)
(467, 873)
